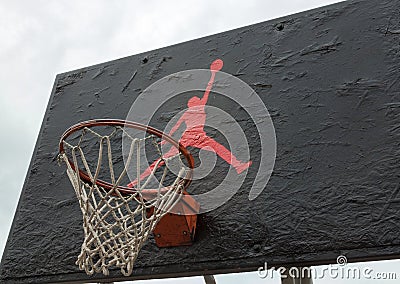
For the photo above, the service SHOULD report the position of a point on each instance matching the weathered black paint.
(330, 78)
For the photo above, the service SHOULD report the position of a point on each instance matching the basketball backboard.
(306, 109)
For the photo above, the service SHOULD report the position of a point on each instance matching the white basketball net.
(116, 225)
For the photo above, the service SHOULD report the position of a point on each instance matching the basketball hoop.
(118, 219)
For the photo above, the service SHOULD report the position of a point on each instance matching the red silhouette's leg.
(224, 153)
(172, 152)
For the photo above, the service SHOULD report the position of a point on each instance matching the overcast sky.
(40, 39)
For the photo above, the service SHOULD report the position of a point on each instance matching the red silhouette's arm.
(204, 99)
(176, 126)
(215, 67)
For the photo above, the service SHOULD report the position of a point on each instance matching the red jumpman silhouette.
(194, 135)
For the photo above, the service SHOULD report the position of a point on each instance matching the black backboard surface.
(330, 80)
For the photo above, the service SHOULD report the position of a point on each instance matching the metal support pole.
(209, 279)
(304, 278)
